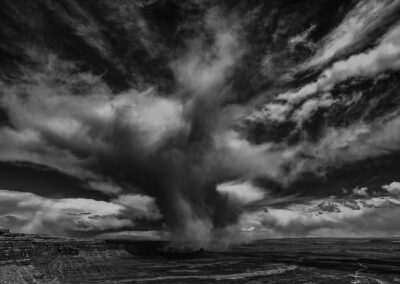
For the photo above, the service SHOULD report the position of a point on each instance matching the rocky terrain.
(41, 258)
(46, 259)
(21, 247)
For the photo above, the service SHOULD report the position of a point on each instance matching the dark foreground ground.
(43, 259)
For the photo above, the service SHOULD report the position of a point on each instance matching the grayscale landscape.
(179, 141)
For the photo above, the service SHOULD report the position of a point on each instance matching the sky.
(202, 122)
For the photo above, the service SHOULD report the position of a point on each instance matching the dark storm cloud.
(151, 104)
(44, 181)
(108, 38)
(141, 140)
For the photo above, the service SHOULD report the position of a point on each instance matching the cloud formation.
(156, 112)
(55, 128)
(29, 213)
(393, 188)
(145, 142)
(384, 57)
(243, 193)
(361, 191)
(352, 217)
(355, 28)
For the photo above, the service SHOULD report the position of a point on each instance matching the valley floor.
(272, 261)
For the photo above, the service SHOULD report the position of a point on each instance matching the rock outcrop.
(46, 259)
(21, 247)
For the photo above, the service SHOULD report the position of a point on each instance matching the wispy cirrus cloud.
(384, 57)
(355, 28)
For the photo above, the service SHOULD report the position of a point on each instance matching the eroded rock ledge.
(15, 247)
